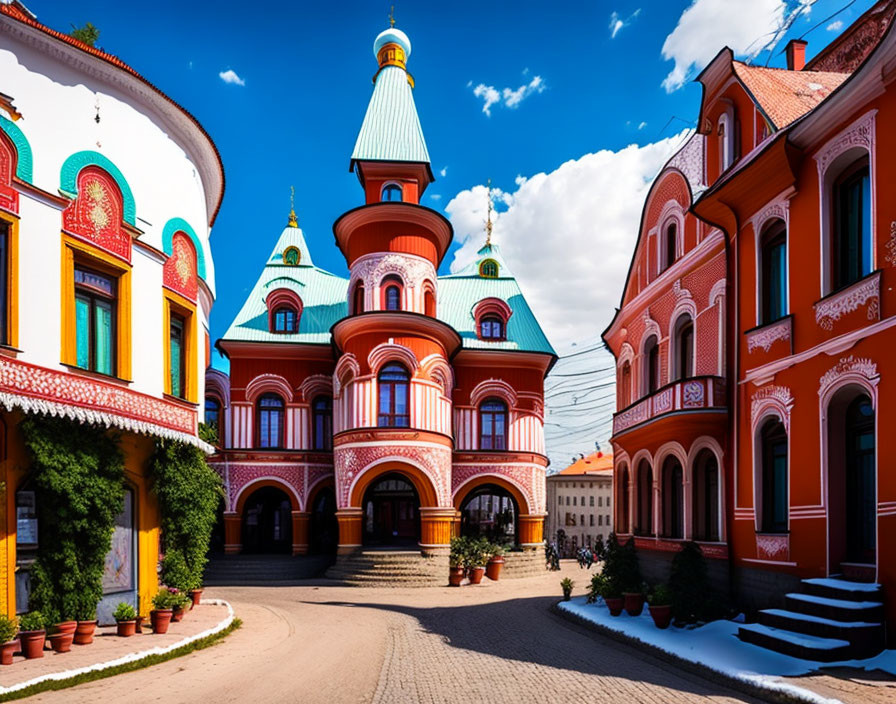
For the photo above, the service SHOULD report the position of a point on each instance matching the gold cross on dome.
(392, 16)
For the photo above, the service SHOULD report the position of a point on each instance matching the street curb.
(128, 659)
(707, 673)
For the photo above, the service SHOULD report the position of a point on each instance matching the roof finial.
(293, 220)
(488, 222)
(392, 16)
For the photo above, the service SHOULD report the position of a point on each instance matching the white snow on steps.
(797, 638)
(843, 584)
(836, 603)
(817, 619)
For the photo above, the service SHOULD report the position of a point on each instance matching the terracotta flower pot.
(493, 568)
(614, 604)
(455, 576)
(177, 614)
(160, 619)
(33, 643)
(634, 603)
(84, 632)
(196, 596)
(65, 627)
(138, 624)
(662, 615)
(126, 628)
(7, 649)
(476, 574)
(61, 642)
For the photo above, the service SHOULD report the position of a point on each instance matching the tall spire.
(293, 220)
(392, 16)
(488, 222)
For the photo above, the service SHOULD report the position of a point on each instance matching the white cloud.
(435, 196)
(444, 172)
(835, 26)
(507, 96)
(642, 125)
(617, 23)
(230, 76)
(567, 235)
(708, 25)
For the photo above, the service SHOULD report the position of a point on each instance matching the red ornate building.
(760, 415)
(406, 404)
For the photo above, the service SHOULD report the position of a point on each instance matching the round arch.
(68, 180)
(470, 485)
(172, 227)
(24, 157)
(264, 383)
(423, 484)
(316, 488)
(248, 489)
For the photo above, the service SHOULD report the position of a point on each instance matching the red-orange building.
(406, 404)
(766, 404)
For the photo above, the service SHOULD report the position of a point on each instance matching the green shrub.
(32, 621)
(596, 588)
(620, 568)
(189, 492)
(208, 433)
(124, 612)
(689, 585)
(457, 551)
(660, 596)
(166, 599)
(566, 584)
(8, 628)
(78, 475)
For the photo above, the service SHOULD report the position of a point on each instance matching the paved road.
(494, 643)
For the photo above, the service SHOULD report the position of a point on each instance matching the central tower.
(393, 382)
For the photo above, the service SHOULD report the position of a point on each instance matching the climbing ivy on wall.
(78, 477)
(189, 492)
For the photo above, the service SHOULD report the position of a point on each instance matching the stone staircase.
(529, 563)
(261, 570)
(829, 620)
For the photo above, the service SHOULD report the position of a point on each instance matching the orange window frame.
(82, 253)
(12, 279)
(175, 303)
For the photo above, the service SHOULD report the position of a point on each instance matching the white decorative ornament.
(849, 366)
(834, 307)
(766, 336)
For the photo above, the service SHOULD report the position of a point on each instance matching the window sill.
(80, 371)
(9, 351)
(181, 401)
(847, 299)
(765, 335)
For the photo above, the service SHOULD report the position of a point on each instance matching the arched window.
(706, 497)
(861, 493)
(285, 320)
(392, 193)
(490, 511)
(852, 249)
(322, 423)
(358, 299)
(292, 256)
(625, 385)
(727, 142)
(773, 274)
(491, 327)
(269, 421)
(391, 288)
(673, 499)
(493, 425)
(429, 303)
(623, 500)
(394, 410)
(212, 412)
(670, 245)
(651, 364)
(773, 439)
(684, 348)
(488, 269)
(644, 524)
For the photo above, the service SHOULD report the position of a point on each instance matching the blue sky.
(571, 159)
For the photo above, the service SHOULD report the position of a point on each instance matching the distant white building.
(578, 500)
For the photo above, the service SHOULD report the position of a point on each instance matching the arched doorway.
(267, 521)
(490, 511)
(852, 480)
(391, 509)
(324, 526)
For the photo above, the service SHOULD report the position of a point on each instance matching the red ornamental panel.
(180, 269)
(521, 476)
(292, 476)
(95, 214)
(9, 197)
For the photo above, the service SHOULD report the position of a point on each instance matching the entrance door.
(391, 512)
(861, 495)
(267, 522)
(324, 526)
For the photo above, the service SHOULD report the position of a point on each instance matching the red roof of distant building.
(785, 95)
(595, 463)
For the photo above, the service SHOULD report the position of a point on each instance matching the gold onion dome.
(392, 48)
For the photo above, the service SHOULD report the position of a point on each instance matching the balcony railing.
(696, 393)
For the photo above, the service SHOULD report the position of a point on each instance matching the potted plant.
(612, 597)
(195, 596)
(456, 561)
(475, 560)
(163, 608)
(660, 605)
(566, 584)
(125, 617)
(32, 634)
(86, 626)
(180, 604)
(9, 644)
(67, 626)
(633, 601)
(495, 562)
(61, 636)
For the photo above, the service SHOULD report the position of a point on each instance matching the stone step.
(835, 609)
(866, 639)
(798, 645)
(834, 588)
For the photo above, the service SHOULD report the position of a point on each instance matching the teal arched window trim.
(175, 225)
(24, 158)
(68, 179)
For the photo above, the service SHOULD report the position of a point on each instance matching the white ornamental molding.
(650, 326)
(862, 293)
(777, 399)
(717, 291)
(859, 368)
(373, 268)
(859, 134)
(766, 336)
(890, 256)
(777, 210)
(773, 547)
(689, 160)
(693, 394)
